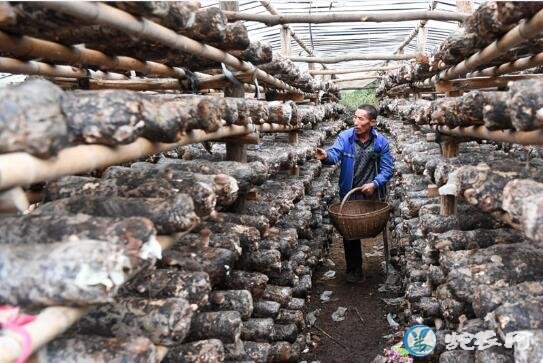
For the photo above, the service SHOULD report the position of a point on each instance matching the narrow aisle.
(363, 340)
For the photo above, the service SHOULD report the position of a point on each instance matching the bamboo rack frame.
(275, 128)
(347, 88)
(355, 56)
(102, 14)
(15, 66)
(376, 17)
(355, 78)
(19, 168)
(514, 66)
(465, 84)
(29, 46)
(522, 32)
(350, 70)
(50, 323)
(154, 84)
(480, 132)
(461, 84)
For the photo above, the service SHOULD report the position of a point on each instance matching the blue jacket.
(343, 151)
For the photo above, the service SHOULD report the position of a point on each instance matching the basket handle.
(346, 198)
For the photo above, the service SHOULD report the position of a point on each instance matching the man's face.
(362, 122)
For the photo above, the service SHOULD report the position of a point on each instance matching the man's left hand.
(368, 189)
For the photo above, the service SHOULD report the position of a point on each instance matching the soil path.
(363, 340)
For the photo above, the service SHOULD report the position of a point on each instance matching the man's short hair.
(370, 109)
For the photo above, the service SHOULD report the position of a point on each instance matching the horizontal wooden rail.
(373, 16)
(355, 56)
(19, 168)
(355, 78)
(26, 46)
(102, 14)
(354, 88)
(350, 70)
(15, 66)
(163, 84)
(466, 84)
(50, 323)
(515, 66)
(480, 132)
(275, 128)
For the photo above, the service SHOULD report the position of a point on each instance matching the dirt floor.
(362, 339)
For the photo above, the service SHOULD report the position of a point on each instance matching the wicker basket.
(358, 219)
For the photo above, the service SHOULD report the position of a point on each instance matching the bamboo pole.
(480, 132)
(521, 33)
(163, 84)
(50, 323)
(466, 84)
(15, 66)
(355, 88)
(350, 70)
(275, 128)
(372, 16)
(355, 56)
(355, 78)
(26, 46)
(102, 14)
(17, 169)
(515, 66)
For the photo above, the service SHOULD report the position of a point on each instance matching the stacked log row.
(475, 270)
(516, 109)
(208, 25)
(268, 284)
(487, 24)
(233, 289)
(42, 125)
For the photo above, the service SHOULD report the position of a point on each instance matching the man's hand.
(368, 189)
(320, 154)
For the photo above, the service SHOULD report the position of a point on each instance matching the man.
(366, 162)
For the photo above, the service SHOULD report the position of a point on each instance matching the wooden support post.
(421, 40)
(293, 139)
(449, 147)
(253, 139)
(448, 205)
(235, 151)
(285, 42)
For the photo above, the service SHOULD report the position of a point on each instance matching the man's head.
(365, 117)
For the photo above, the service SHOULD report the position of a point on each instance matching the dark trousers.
(353, 254)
